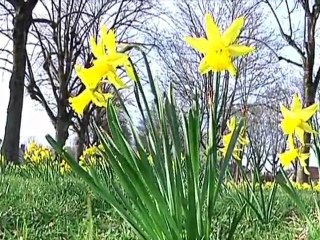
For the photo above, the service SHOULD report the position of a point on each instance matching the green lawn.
(63, 208)
(38, 209)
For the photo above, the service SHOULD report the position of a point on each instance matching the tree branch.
(287, 37)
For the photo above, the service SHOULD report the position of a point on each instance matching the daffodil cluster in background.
(218, 48)
(103, 71)
(242, 140)
(90, 156)
(270, 184)
(64, 167)
(37, 154)
(295, 125)
(306, 186)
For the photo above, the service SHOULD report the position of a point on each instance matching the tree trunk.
(83, 131)
(309, 99)
(62, 126)
(22, 21)
(310, 85)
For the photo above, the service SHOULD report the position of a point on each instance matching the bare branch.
(287, 37)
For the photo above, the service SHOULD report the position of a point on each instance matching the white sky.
(35, 122)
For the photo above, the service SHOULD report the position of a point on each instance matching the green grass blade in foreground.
(192, 142)
(175, 130)
(137, 193)
(271, 201)
(137, 173)
(104, 193)
(226, 160)
(235, 221)
(286, 185)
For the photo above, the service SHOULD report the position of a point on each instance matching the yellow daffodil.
(92, 93)
(302, 186)
(108, 59)
(268, 185)
(37, 154)
(292, 154)
(295, 120)
(219, 49)
(104, 69)
(65, 167)
(306, 186)
(317, 187)
(242, 140)
(90, 156)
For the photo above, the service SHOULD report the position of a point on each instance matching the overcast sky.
(35, 122)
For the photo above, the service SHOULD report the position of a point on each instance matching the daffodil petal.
(80, 102)
(226, 139)
(114, 79)
(302, 159)
(288, 126)
(285, 111)
(117, 59)
(95, 48)
(109, 40)
(306, 113)
(130, 72)
(246, 140)
(90, 77)
(100, 99)
(232, 70)
(299, 132)
(306, 127)
(288, 157)
(296, 104)
(212, 30)
(236, 157)
(233, 32)
(232, 124)
(199, 44)
(204, 67)
(240, 50)
(243, 141)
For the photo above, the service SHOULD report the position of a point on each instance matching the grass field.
(63, 208)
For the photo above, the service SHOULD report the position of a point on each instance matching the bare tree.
(22, 20)
(266, 140)
(180, 63)
(62, 39)
(258, 72)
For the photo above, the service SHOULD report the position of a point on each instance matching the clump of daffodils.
(302, 186)
(103, 71)
(219, 49)
(37, 154)
(268, 185)
(90, 156)
(295, 125)
(242, 140)
(64, 167)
